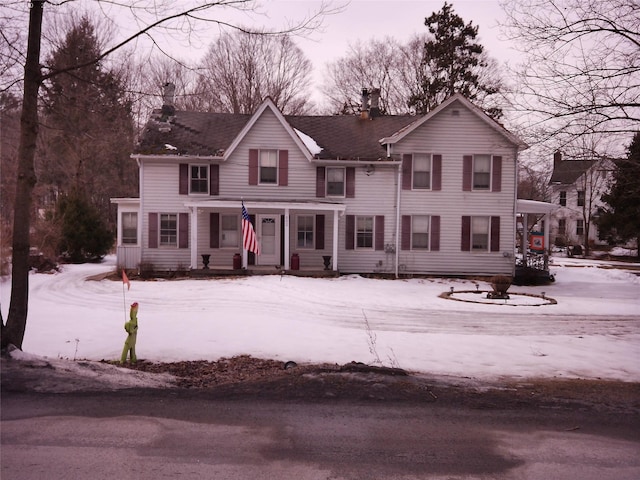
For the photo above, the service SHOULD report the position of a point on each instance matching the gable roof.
(344, 137)
(566, 172)
(397, 136)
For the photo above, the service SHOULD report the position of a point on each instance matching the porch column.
(193, 213)
(335, 240)
(287, 237)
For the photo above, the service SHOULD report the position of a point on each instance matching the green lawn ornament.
(131, 328)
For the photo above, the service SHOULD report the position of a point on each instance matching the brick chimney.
(375, 103)
(557, 158)
(168, 92)
(364, 104)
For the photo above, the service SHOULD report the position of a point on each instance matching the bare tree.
(240, 70)
(580, 68)
(149, 17)
(383, 64)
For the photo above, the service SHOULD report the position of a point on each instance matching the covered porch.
(296, 237)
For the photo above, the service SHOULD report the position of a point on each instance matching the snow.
(309, 142)
(593, 331)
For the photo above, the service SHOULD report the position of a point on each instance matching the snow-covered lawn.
(592, 332)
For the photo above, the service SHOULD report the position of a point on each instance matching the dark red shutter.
(467, 172)
(405, 243)
(184, 179)
(465, 244)
(495, 234)
(349, 232)
(283, 168)
(496, 174)
(320, 182)
(183, 230)
(407, 168)
(153, 230)
(351, 182)
(436, 184)
(435, 233)
(253, 166)
(214, 180)
(379, 233)
(214, 230)
(319, 232)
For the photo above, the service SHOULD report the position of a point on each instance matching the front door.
(269, 238)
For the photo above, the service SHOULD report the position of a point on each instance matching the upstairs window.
(421, 171)
(269, 167)
(580, 227)
(335, 181)
(581, 198)
(199, 179)
(481, 172)
(563, 198)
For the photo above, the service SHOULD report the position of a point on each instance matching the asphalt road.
(193, 434)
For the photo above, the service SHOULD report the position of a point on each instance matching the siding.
(453, 137)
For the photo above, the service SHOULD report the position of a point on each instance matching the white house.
(434, 194)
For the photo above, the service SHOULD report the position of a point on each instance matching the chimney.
(375, 103)
(364, 105)
(557, 158)
(168, 92)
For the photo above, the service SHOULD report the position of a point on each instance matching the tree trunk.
(13, 331)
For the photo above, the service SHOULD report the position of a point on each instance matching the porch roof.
(262, 204)
(534, 206)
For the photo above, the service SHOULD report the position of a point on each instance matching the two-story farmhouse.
(434, 194)
(576, 188)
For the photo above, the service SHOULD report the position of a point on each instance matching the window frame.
(328, 182)
(562, 226)
(475, 219)
(203, 182)
(429, 171)
(224, 232)
(124, 239)
(263, 179)
(167, 239)
(308, 231)
(581, 198)
(427, 233)
(474, 172)
(580, 227)
(562, 199)
(364, 235)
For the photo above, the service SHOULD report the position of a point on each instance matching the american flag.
(249, 239)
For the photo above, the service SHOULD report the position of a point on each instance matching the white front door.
(269, 238)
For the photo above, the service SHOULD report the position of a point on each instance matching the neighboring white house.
(577, 187)
(434, 194)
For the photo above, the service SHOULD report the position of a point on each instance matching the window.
(563, 198)
(420, 232)
(305, 231)
(581, 198)
(364, 232)
(168, 229)
(335, 181)
(199, 179)
(229, 230)
(580, 227)
(129, 228)
(481, 172)
(480, 233)
(269, 166)
(421, 170)
(562, 226)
